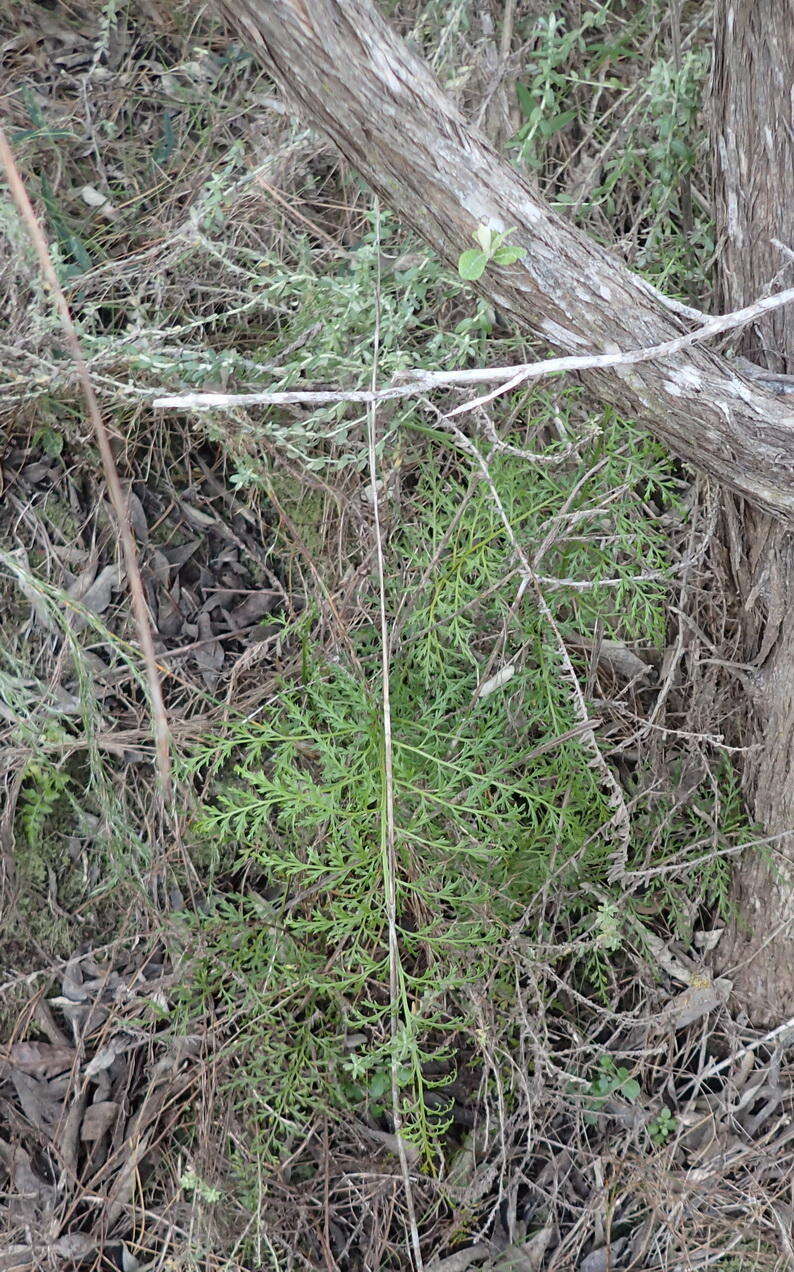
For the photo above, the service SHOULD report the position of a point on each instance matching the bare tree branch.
(507, 378)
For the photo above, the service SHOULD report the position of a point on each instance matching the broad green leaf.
(525, 100)
(471, 264)
(550, 126)
(631, 1089)
(508, 255)
(484, 237)
(379, 1085)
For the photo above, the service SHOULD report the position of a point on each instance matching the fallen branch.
(506, 378)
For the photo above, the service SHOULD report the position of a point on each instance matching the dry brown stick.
(139, 608)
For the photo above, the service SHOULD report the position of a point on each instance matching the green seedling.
(613, 1079)
(662, 1127)
(493, 247)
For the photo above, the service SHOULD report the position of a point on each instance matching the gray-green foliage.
(637, 135)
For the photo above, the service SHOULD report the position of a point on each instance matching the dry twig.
(388, 830)
(139, 607)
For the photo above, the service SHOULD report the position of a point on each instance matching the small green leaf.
(379, 1084)
(549, 127)
(484, 236)
(51, 442)
(632, 1089)
(471, 264)
(508, 255)
(525, 99)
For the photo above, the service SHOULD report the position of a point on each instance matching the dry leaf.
(36, 1101)
(696, 1001)
(708, 940)
(106, 1055)
(43, 1059)
(17, 1258)
(98, 1119)
(97, 598)
(209, 655)
(254, 607)
(92, 197)
(496, 682)
(534, 1249)
(137, 517)
(604, 1259)
(73, 1246)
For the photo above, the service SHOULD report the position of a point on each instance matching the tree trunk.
(753, 147)
(349, 74)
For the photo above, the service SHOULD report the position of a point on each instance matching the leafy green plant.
(50, 440)
(45, 786)
(195, 1185)
(492, 247)
(546, 86)
(298, 959)
(612, 1080)
(609, 927)
(662, 1126)
(635, 138)
(496, 806)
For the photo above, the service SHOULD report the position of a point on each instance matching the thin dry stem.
(139, 608)
(388, 831)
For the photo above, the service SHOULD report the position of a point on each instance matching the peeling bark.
(753, 146)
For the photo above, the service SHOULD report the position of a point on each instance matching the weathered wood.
(350, 74)
(753, 147)
(753, 156)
